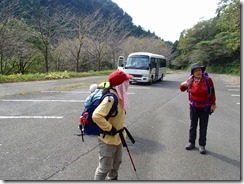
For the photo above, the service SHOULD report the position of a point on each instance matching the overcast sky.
(168, 18)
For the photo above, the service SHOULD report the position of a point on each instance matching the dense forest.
(215, 43)
(40, 36)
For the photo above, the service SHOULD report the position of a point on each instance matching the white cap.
(93, 87)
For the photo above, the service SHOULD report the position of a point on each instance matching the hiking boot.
(116, 178)
(190, 146)
(202, 149)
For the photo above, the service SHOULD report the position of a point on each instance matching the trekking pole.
(125, 145)
(83, 122)
(81, 133)
(132, 162)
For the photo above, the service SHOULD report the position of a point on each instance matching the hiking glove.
(112, 132)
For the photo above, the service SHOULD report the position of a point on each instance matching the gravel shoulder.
(227, 78)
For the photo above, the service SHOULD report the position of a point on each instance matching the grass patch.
(49, 76)
(69, 87)
(57, 75)
(232, 68)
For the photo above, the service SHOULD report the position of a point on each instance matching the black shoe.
(190, 146)
(116, 178)
(202, 149)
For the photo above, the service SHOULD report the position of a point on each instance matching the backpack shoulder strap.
(114, 109)
(190, 83)
(206, 78)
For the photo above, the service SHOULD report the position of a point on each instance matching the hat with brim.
(118, 77)
(195, 66)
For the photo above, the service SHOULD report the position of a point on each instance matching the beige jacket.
(117, 122)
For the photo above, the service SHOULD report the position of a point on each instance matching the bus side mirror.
(121, 61)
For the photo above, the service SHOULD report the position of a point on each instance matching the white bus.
(144, 66)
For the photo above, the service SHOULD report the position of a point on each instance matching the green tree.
(188, 48)
(229, 23)
(215, 42)
(51, 20)
(17, 50)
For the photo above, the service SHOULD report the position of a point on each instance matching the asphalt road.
(39, 123)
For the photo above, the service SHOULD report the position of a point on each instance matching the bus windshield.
(137, 62)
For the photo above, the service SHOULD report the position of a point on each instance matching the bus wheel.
(162, 77)
(151, 81)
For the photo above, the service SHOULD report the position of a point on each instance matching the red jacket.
(199, 94)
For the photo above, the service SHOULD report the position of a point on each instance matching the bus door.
(153, 68)
(162, 68)
(157, 69)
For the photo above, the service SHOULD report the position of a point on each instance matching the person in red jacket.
(202, 102)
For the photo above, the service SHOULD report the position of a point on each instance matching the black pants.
(202, 115)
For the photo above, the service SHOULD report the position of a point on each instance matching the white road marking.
(32, 100)
(235, 95)
(31, 117)
(79, 92)
(139, 87)
(232, 86)
(130, 93)
(233, 89)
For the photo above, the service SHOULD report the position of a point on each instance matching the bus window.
(137, 62)
(153, 62)
(130, 62)
(162, 62)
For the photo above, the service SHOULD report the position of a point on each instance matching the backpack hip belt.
(194, 103)
(120, 132)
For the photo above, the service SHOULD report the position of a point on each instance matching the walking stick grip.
(129, 135)
(122, 139)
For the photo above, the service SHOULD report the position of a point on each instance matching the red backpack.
(206, 78)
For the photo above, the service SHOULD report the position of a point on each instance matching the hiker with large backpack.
(110, 142)
(202, 102)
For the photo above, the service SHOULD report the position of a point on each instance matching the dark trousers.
(202, 115)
